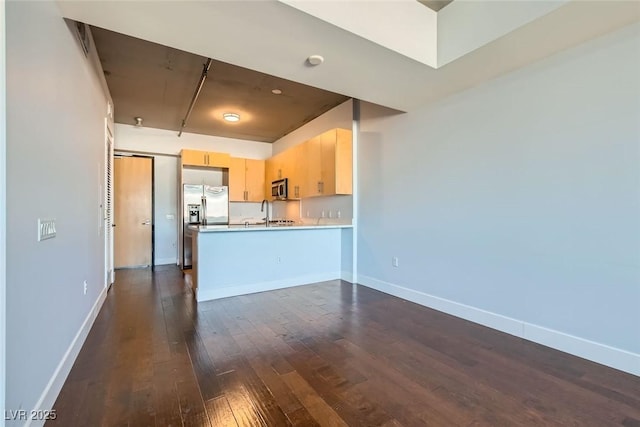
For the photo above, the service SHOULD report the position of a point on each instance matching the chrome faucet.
(266, 215)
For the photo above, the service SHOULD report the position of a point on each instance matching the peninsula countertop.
(262, 227)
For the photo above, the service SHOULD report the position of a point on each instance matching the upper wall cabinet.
(275, 169)
(328, 164)
(254, 180)
(206, 159)
(246, 180)
(296, 170)
(321, 166)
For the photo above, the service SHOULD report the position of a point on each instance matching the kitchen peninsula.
(309, 238)
(234, 260)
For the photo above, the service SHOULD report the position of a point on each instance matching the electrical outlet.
(85, 287)
(394, 261)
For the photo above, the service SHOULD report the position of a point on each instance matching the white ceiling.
(274, 38)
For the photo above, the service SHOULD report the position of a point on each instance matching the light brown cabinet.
(246, 180)
(343, 173)
(296, 171)
(328, 164)
(237, 180)
(207, 159)
(321, 166)
(274, 170)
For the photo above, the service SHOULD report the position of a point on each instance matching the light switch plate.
(46, 229)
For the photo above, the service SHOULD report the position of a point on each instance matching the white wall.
(56, 108)
(165, 171)
(3, 207)
(405, 27)
(215, 177)
(465, 26)
(151, 140)
(516, 203)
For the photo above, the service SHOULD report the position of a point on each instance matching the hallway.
(327, 354)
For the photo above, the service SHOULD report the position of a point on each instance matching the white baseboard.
(232, 291)
(596, 352)
(347, 276)
(165, 261)
(51, 391)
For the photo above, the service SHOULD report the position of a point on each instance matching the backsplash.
(327, 210)
(314, 210)
(239, 212)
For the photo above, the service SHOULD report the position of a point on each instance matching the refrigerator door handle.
(204, 211)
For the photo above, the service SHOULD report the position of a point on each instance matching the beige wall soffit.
(466, 25)
(404, 26)
(419, 33)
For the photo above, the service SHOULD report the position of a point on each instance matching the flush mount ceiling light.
(231, 117)
(276, 91)
(315, 60)
(138, 121)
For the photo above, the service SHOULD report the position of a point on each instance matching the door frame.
(118, 153)
(3, 210)
(109, 271)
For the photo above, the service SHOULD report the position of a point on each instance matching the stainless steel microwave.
(279, 189)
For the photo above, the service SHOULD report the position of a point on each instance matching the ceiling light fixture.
(315, 59)
(276, 91)
(138, 121)
(231, 117)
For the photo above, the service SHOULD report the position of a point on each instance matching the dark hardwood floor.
(328, 354)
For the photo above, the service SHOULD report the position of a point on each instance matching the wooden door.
(132, 211)
(254, 180)
(237, 184)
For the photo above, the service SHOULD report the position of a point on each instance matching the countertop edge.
(236, 228)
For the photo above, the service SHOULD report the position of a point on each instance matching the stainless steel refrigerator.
(204, 205)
